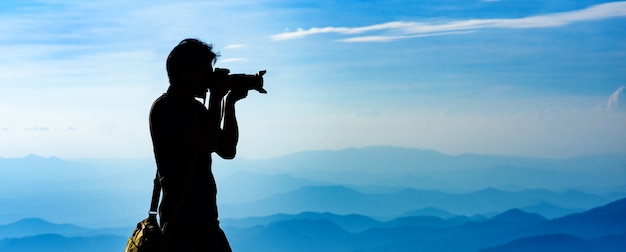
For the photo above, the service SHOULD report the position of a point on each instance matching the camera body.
(246, 81)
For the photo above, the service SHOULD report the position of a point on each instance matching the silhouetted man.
(184, 134)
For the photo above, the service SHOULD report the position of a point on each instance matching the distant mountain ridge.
(37, 226)
(517, 215)
(343, 200)
(36, 234)
(350, 223)
(427, 169)
(367, 166)
(379, 181)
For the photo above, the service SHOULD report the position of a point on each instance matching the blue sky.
(536, 78)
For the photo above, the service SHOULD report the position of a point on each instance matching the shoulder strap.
(156, 194)
(156, 191)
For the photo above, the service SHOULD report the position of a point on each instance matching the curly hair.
(189, 53)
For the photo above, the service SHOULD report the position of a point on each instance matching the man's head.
(189, 63)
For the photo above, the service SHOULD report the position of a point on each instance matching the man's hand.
(219, 88)
(237, 94)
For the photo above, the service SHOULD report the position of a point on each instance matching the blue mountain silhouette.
(32, 186)
(59, 243)
(562, 242)
(38, 226)
(517, 215)
(409, 234)
(344, 200)
(599, 229)
(350, 223)
(609, 219)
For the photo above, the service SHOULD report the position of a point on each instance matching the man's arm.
(226, 146)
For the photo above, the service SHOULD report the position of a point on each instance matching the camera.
(247, 81)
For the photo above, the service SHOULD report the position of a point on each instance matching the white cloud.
(231, 60)
(390, 38)
(613, 102)
(398, 30)
(235, 46)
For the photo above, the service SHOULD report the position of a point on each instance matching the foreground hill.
(511, 229)
(562, 242)
(599, 229)
(58, 243)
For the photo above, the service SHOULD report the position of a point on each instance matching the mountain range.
(378, 198)
(384, 182)
(389, 166)
(344, 200)
(599, 229)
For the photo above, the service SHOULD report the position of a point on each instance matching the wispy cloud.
(232, 60)
(390, 38)
(399, 30)
(235, 46)
(613, 102)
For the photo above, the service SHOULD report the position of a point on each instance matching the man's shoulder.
(164, 98)
(164, 102)
(168, 102)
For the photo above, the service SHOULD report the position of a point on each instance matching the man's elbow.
(226, 149)
(227, 154)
